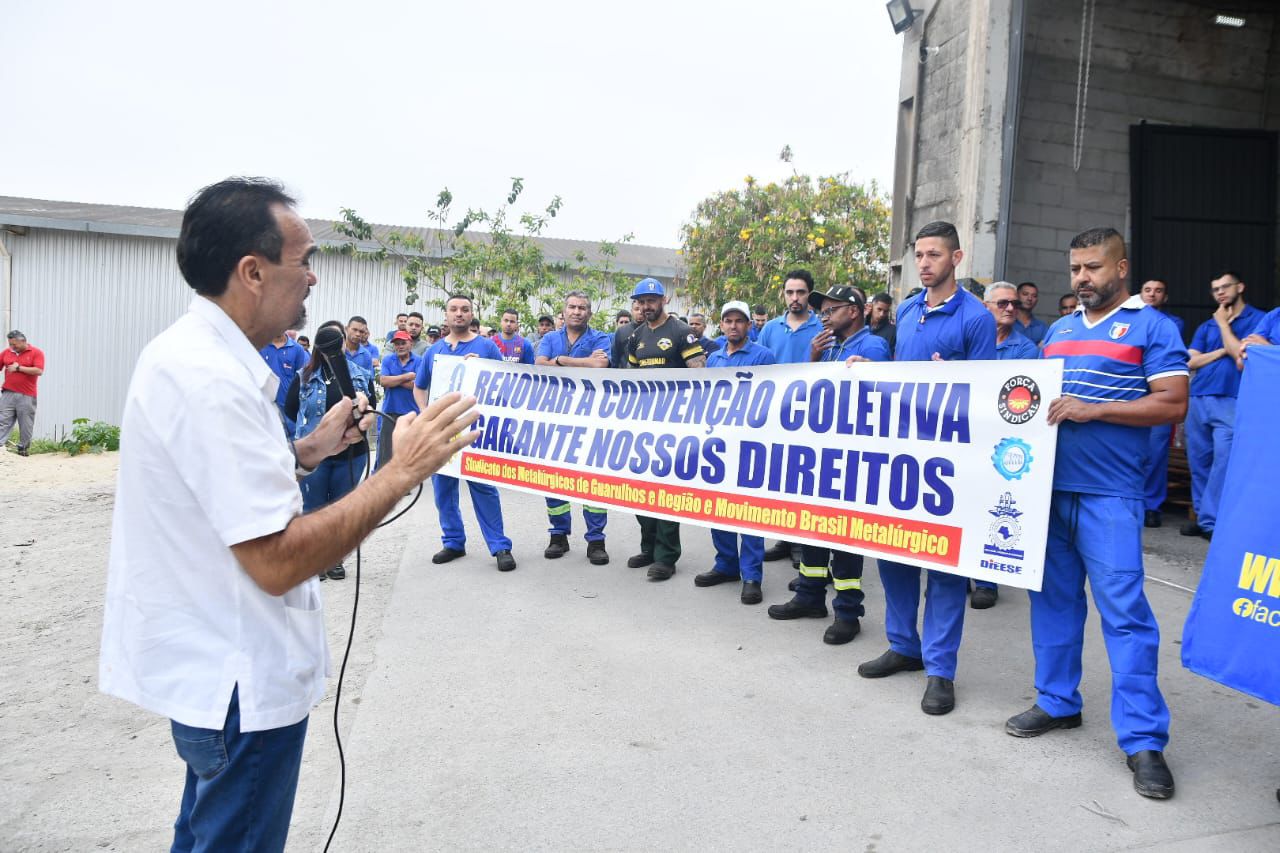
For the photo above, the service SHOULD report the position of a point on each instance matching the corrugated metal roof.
(158, 222)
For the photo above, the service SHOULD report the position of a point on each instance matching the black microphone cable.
(351, 632)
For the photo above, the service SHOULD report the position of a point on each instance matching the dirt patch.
(84, 771)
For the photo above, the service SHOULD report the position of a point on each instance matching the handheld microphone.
(329, 343)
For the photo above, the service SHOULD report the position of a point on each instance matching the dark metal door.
(1204, 201)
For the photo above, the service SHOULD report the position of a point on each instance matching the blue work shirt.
(480, 346)
(1176, 321)
(1113, 360)
(375, 355)
(1269, 327)
(960, 329)
(1034, 331)
(399, 400)
(861, 343)
(361, 357)
(555, 344)
(1017, 345)
(788, 346)
(751, 355)
(710, 345)
(1221, 378)
(285, 362)
(753, 334)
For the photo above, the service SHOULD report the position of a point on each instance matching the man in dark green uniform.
(659, 340)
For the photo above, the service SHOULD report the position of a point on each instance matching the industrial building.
(90, 284)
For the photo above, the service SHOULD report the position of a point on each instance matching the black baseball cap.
(839, 293)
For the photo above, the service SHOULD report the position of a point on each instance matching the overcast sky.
(631, 112)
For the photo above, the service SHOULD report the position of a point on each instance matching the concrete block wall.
(939, 110)
(1158, 60)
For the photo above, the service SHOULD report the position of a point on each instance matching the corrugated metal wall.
(92, 302)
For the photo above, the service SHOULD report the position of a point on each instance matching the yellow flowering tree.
(739, 243)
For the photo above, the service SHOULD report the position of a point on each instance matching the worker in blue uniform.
(460, 340)
(844, 338)
(575, 345)
(1211, 413)
(942, 322)
(1002, 301)
(789, 337)
(738, 556)
(1124, 369)
(1155, 293)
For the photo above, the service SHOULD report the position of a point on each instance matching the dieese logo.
(1019, 399)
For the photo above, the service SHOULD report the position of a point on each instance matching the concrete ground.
(566, 706)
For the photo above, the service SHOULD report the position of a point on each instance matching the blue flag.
(1232, 633)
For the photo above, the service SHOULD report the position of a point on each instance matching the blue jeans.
(332, 479)
(240, 785)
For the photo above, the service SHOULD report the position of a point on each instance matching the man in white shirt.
(213, 616)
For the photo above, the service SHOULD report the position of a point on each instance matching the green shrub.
(91, 437)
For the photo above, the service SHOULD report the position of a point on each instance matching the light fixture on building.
(901, 14)
(1234, 21)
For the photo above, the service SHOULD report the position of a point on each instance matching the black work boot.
(557, 547)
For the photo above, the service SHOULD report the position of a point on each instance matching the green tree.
(499, 264)
(741, 242)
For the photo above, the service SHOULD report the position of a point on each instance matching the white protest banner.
(946, 465)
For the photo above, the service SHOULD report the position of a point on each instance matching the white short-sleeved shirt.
(204, 464)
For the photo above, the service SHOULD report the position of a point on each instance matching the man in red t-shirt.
(22, 364)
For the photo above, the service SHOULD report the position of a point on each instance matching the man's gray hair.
(15, 335)
(581, 294)
(1001, 285)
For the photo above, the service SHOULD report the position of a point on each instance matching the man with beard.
(461, 341)
(738, 556)
(1211, 414)
(845, 338)
(1124, 370)
(943, 322)
(880, 319)
(660, 341)
(576, 345)
(789, 337)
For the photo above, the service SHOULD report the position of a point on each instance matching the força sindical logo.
(1019, 399)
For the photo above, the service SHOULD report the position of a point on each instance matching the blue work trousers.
(945, 598)
(1210, 428)
(1099, 537)
(1157, 485)
(738, 555)
(560, 513)
(488, 507)
(240, 785)
(844, 570)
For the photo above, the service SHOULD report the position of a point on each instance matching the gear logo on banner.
(1005, 532)
(1012, 458)
(1019, 400)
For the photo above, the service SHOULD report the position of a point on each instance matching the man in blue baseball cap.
(659, 341)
